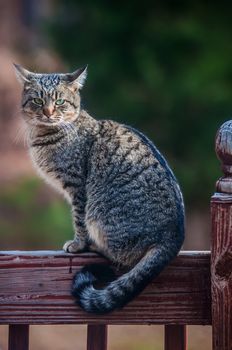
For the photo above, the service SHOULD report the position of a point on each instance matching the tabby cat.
(126, 203)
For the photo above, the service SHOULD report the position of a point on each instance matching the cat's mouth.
(48, 120)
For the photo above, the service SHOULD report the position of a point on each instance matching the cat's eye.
(60, 102)
(38, 101)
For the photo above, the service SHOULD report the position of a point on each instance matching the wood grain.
(222, 273)
(175, 337)
(35, 289)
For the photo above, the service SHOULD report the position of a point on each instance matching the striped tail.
(122, 290)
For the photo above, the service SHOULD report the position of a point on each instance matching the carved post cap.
(224, 153)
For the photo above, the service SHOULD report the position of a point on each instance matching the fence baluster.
(97, 337)
(175, 337)
(18, 337)
(221, 258)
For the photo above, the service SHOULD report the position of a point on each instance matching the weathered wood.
(221, 208)
(18, 337)
(35, 289)
(175, 337)
(97, 337)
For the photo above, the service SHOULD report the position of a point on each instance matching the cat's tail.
(122, 290)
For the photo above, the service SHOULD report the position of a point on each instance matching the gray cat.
(126, 203)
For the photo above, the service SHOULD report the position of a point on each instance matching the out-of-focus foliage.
(162, 66)
(42, 222)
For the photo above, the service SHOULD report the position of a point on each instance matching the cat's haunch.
(126, 203)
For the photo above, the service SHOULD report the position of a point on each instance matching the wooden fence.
(196, 289)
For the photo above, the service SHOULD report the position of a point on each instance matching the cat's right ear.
(22, 74)
(77, 78)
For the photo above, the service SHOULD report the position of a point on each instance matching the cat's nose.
(48, 111)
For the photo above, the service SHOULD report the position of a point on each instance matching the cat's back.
(118, 144)
(123, 150)
(127, 169)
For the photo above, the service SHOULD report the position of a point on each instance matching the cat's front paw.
(72, 247)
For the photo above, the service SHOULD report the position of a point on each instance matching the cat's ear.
(77, 78)
(22, 74)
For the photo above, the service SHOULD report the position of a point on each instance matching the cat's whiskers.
(21, 135)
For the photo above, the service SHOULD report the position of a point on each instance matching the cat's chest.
(52, 167)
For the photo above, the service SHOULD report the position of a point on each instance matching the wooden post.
(18, 337)
(97, 337)
(221, 260)
(175, 337)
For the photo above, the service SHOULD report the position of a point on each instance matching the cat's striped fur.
(126, 203)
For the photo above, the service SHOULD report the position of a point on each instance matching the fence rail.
(196, 289)
(35, 289)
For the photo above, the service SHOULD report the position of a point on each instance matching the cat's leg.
(80, 241)
(93, 248)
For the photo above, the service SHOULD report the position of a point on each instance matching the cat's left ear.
(77, 78)
(22, 74)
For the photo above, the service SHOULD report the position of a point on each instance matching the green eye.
(60, 102)
(38, 101)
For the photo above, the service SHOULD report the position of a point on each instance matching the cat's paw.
(72, 247)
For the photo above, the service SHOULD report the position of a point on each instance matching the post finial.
(224, 153)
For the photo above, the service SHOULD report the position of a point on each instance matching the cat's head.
(50, 99)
